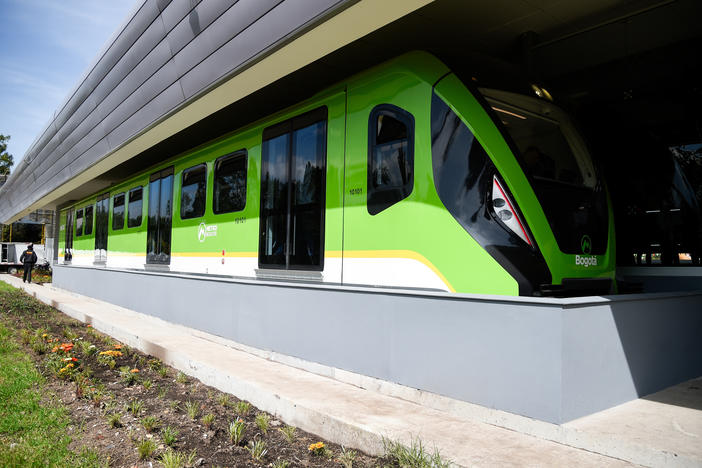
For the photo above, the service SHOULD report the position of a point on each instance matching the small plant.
(147, 384)
(207, 420)
(150, 423)
(106, 360)
(181, 378)
(170, 435)
(288, 432)
(87, 348)
(26, 336)
(242, 408)
(135, 407)
(162, 393)
(414, 455)
(128, 376)
(318, 449)
(223, 399)
(263, 421)
(192, 408)
(257, 449)
(114, 420)
(172, 459)
(279, 463)
(163, 372)
(347, 457)
(175, 405)
(40, 347)
(190, 459)
(69, 334)
(236, 431)
(155, 365)
(146, 448)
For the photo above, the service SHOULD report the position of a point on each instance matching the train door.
(4, 253)
(102, 209)
(292, 193)
(158, 234)
(68, 248)
(301, 194)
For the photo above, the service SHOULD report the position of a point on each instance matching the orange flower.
(118, 346)
(66, 347)
(134, 371)
(89, 326)
(55, 348)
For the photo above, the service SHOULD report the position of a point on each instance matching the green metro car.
(407, 175)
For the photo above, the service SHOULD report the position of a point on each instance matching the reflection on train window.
(118, 211)
(292, 193)
(79, 222)
(134, 208)
(88, 220)
(193, 192)
(390, 157)
(230, 183)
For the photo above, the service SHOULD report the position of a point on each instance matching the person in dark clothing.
(28, 258)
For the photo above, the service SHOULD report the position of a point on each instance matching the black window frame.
(380, 199)
(197, 167)
(242, 153)
(116, 215)
(141, 206)
(88, 227)
(79, 225)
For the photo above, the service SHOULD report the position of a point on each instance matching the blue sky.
(46, 47)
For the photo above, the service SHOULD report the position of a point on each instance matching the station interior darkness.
(629, 72)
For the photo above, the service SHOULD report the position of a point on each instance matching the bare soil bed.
(122, 401)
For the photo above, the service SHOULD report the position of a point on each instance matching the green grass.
(32, 433)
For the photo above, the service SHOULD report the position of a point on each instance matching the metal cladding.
(167, 54)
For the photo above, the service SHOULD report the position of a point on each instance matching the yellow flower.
(316, 447)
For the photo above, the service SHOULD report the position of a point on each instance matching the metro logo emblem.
(204, 231)
(586, 245)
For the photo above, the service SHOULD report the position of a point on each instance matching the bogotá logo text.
(204, 231)
(585, 261)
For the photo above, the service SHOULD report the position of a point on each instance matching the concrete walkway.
(654, 432)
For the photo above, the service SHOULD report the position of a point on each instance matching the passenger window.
(390, 157)
(193, 192)
(230, 183)
(118, 211)
(79, 222)
(134, 208)
(88, 220)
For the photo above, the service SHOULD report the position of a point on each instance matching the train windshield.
(559, 168)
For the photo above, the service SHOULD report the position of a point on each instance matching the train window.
(230, 183)
(79, 222)
(118, 211)
(193, 192)
(88, 220)
(293, 167)
(390, 157)
(134, 208)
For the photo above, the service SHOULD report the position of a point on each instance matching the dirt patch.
(118, 398)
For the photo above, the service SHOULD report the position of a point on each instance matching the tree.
(6, 159)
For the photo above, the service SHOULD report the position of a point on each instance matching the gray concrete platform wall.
(549, 359)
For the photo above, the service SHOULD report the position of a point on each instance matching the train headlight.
(504, 209)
